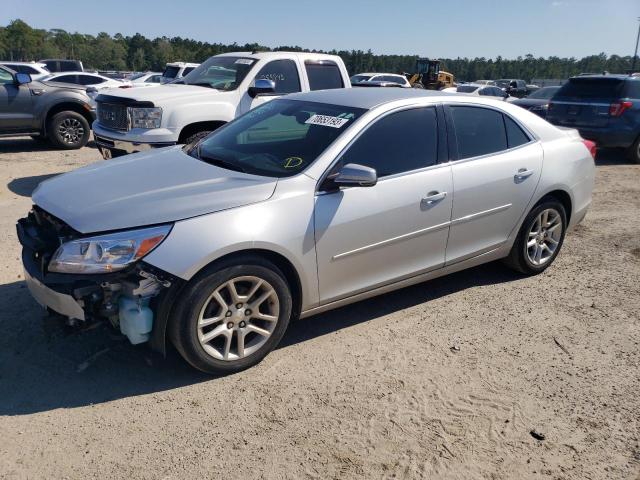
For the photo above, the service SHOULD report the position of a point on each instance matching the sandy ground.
(373, 390)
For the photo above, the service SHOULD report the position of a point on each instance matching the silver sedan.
(304, 204)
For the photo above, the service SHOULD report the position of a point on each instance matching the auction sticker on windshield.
(327, 121)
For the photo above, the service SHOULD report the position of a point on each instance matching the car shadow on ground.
(26, 185)
(28, 144)
(44, 366)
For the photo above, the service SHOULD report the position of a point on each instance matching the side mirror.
(23, 78)
(262, 86)
(355, 175)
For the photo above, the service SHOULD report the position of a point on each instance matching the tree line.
(20, 42)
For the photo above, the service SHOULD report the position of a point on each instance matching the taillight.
(591, 146)
(549, 106)
(617, 108)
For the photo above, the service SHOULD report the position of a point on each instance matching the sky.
(437, 29)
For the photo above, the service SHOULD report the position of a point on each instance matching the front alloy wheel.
(231, 315)
(238, 318)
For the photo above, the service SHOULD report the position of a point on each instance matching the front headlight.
(106, 253)
(147, 117)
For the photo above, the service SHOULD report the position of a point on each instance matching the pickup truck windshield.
(278, 139)
(222, 73)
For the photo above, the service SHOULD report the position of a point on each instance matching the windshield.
(544, 93)
(278, 139)
(222, 73)
(502, 83)
(467, 88)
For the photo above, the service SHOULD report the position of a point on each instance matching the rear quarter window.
(323, 76)
(632, 89)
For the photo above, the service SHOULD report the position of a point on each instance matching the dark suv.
(604, 108)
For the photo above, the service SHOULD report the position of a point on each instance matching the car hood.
(157, 186)
(165, 94)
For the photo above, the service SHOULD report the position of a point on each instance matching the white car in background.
(37, 71)
(381, 77)
(88, 79)
(146, 79)
(479, 90)
(175, 70)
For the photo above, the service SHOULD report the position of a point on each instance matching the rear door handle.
(523, 173)
(433, 197)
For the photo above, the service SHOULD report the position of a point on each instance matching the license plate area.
(573, 110)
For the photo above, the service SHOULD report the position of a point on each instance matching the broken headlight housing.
(107, 253)
(145, 117)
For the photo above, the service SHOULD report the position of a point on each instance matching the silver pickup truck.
(59, 112)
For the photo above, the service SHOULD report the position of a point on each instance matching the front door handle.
(523, 173)
(433, 197)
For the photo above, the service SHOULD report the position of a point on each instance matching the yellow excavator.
(429, 76)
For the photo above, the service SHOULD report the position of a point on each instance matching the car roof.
(366, 98)
(618, 76)
(10, 62)
(259, 55)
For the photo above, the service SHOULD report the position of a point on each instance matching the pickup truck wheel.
(68, 130)
(540, 238)
(230, 318)
(196, 137)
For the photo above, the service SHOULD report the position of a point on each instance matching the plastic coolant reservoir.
(136, 319)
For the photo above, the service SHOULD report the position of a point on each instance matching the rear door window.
(399, 142)
(90, 80)
(323, 75)
(478, 131)
(66, 79)
(284, 73)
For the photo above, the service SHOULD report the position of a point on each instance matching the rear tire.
(540, 238)
(634, 151)
(68, 130)
(221, 325)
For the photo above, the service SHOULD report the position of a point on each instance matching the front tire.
(540, 238)
(229, 318)
(68, 130)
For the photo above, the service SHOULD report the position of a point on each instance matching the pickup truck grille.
(113, 116)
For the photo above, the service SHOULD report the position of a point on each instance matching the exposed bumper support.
(61, 303)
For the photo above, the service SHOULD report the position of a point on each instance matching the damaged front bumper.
(129, 299)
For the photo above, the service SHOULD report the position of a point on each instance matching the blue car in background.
(604, 108)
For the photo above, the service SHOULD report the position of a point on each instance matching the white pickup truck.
(219, 90)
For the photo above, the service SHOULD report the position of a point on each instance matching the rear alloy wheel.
(230, 319)
(540, 238)
(69, 130)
